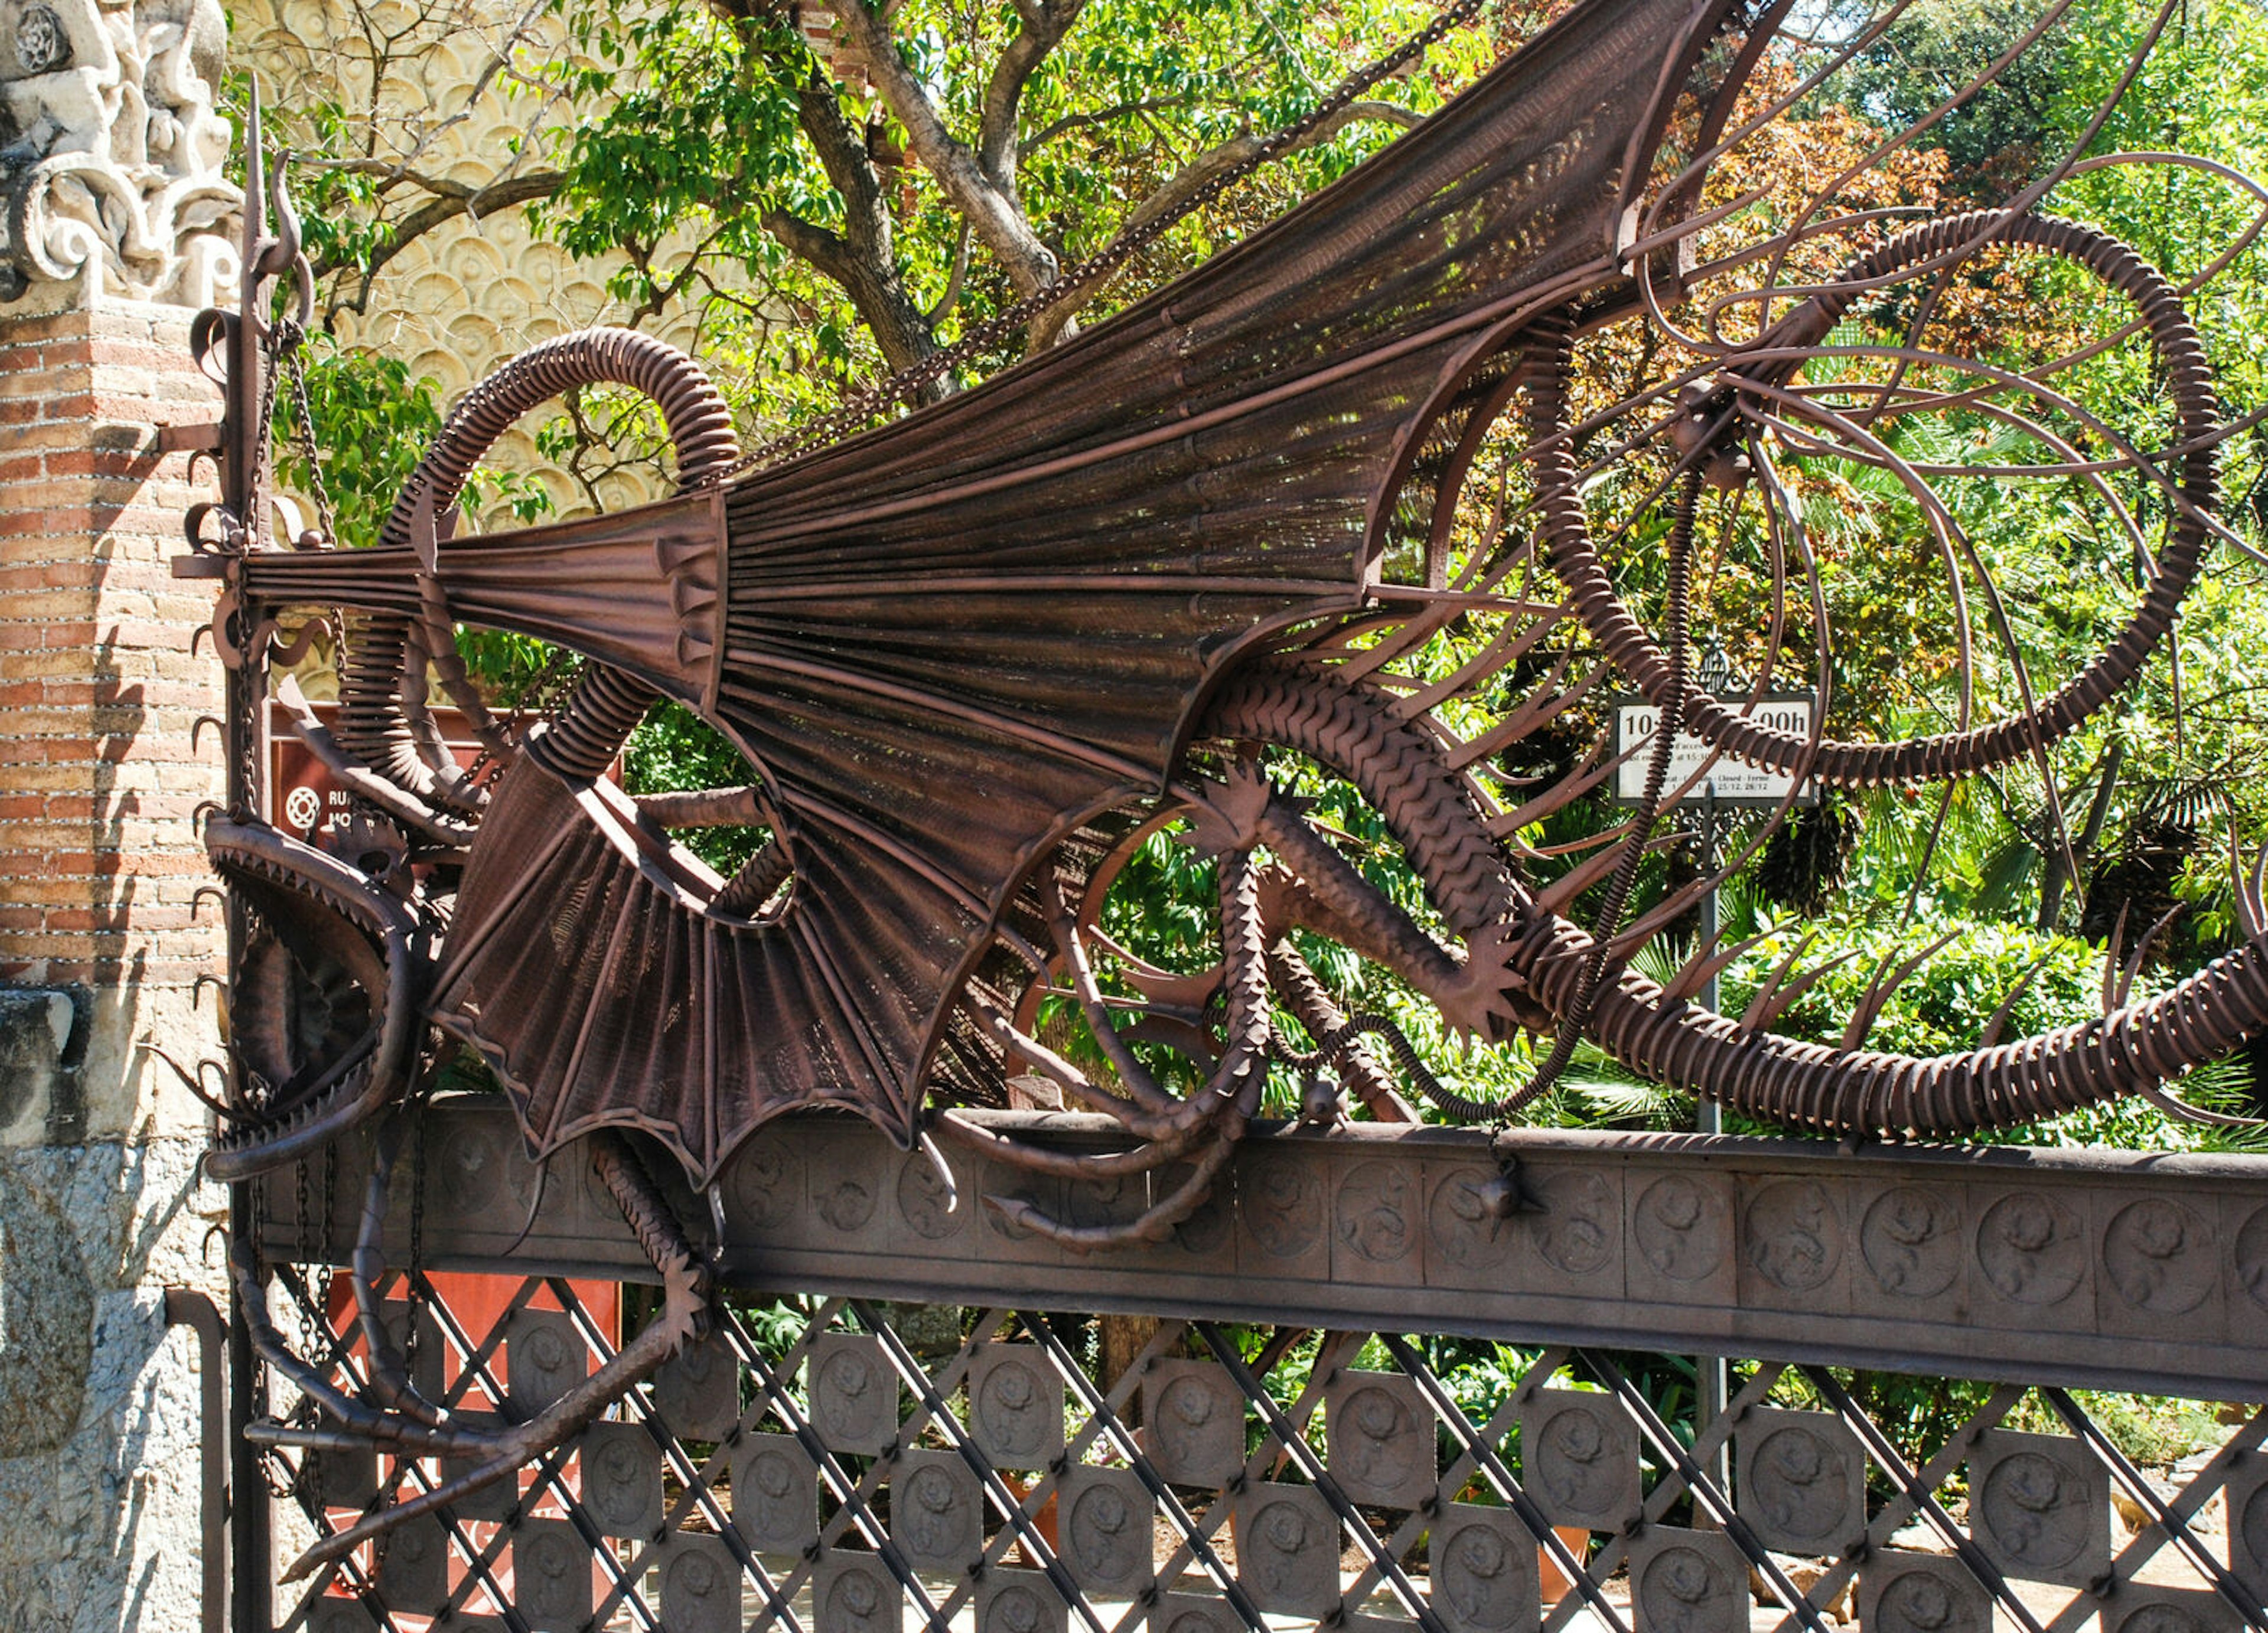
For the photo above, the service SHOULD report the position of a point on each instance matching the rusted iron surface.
(2095, 1270)
(1217, 562)
(1268, 1476)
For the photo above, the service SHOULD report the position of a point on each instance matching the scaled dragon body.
(1182, 570)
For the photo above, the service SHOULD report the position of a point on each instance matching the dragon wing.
(948, 643)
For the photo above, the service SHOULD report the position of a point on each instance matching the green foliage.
(372, 423)
(675, 748)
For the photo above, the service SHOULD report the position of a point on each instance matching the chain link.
(1082, 278)
(303, 411)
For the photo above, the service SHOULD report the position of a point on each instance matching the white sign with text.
(1730, 781)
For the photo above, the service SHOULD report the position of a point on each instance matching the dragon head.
(323, 1000)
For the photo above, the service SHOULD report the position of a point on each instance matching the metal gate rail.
(1367, 1401)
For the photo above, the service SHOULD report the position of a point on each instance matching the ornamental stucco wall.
(472, 292)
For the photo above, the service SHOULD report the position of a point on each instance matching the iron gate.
(1345, 1395)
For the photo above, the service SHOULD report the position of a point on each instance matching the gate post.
(111, 233)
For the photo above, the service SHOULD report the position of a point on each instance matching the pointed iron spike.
(1779, 973)
(2258, 895)
(2110, 952)
(1869, 1007)
(1793, 993)
(1697, 969)
(1545, 701)
(1564, 792)
(1990, 1036)
(2249, 910)
(1577, 880)
(2141, 953)
(1882, 986)
(2181, 1111)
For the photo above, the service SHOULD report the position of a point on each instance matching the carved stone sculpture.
(112, 154)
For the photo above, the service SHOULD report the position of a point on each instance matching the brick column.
(101, 771)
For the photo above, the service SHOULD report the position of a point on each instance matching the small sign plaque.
(304, 799)
(1730, 782)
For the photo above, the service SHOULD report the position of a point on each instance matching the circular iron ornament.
(551, 1575)
(2252, 1531)
(2032, 1248)
(766, 1184)
(1380, 1440)
(2038, 1507)
(2252, 1258)
(697, 1391)
(923, 1202)
(1485, 1577)
(1910, 1239)
(1794, 1239)
(1908, 1593)
(935, 1510)
(1580, 1224)
(1018, 1601)
(1015, 1405)
(700, 1586)
(413, 1567)
(1206, 1230)
(544, 1359)
(622, 1479)
(1107, 1531)
(845, 1205)
(1466, 1231)
(1580, 1457)
(1802, 1482)
(854, 1394)
(1377, 1212)
(1194, 1612)
(1195, 1414)
(1283, 1207)
(472, 1167)
(2136, 1609)
(1287, 1550)
(2160, 1257)
(856, 1594)
(775, 1494)
(1688, 1582)
(1674, 1231)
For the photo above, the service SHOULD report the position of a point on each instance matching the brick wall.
(102, 772)
(101, 763)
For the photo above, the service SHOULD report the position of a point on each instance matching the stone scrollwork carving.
(111, 150)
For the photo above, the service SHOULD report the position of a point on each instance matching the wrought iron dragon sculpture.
(1339, 525)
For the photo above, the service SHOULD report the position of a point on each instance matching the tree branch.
(1044, 27)
(453, 201)
(1069, 122)
(1225, 155)
(996, 215)
(862, 260)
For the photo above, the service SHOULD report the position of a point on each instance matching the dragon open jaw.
(324, 1005)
